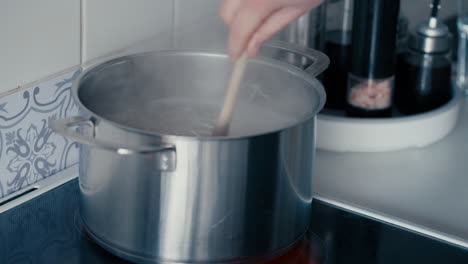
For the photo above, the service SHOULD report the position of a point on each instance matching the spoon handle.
(224, 119)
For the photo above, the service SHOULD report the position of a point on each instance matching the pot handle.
(320, 61)
(67, 127)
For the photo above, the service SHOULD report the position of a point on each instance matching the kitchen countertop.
(425, 189)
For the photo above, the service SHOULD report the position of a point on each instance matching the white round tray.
(345, 134)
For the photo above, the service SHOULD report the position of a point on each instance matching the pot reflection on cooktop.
(46, 230)
(93, 253)
(307, 251)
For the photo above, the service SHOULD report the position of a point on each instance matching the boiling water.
(185, 117)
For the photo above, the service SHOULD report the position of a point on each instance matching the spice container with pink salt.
(371, 77)
(374, 121)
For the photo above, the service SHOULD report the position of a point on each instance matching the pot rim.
(317, 85)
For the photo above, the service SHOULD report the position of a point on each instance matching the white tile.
(162, 41)
(199, 26)
(209, 34)
(195, 11)
(37, 39)
(113, 25)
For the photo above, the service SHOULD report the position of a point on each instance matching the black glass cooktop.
(46, 230)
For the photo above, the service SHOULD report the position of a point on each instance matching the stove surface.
(46, 230)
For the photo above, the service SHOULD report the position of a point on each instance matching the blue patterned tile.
(29, 151)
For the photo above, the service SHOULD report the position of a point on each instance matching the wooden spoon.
(224, 119)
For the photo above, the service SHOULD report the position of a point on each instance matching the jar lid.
(431, 38)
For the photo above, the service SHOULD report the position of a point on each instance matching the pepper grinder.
(338, 49)
(423, 79)
(373, 57)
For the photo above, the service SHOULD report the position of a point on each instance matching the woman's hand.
(252, 22)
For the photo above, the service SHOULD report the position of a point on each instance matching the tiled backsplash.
(40, 38)
(29, 151)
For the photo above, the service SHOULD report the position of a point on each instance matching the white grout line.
(396, 222)
(175, 14)
(39, 188)
(82, 28)
(42, 80)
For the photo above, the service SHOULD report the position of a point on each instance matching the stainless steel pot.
(156, 198)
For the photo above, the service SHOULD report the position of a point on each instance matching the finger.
(246, 21)
(229, 8)
(272, 25)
